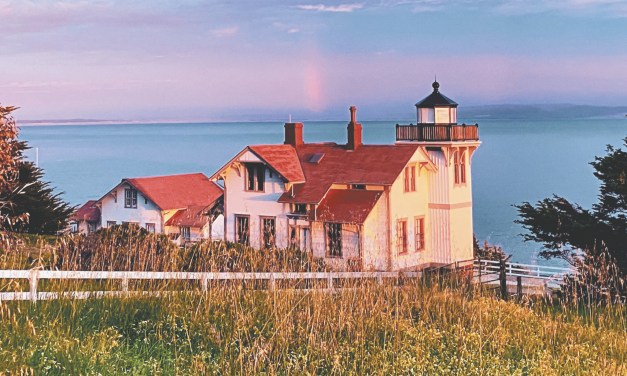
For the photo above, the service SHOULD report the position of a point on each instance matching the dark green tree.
(26, 202)
(575, 234)
(47, 212)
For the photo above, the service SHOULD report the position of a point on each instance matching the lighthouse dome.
(437, 108)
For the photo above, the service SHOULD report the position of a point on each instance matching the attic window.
(130, 198)
(316, 158)
(255, 174)
(358, 186)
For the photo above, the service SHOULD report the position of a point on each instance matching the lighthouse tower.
(450, 146)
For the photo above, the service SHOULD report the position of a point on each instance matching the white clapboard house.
(358, 206)
(182, 206)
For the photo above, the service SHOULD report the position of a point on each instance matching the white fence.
(530, 275)
(483, 270)
(34, 276)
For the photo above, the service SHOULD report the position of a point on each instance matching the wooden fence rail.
(483, 269)
(33, 276)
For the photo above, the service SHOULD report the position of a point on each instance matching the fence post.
(480, 270)
(330, 281)
(503, 278)
(125, 283)
(519, 287)
(32, 282)
(204, 283)
(272, 282)
(380, 279)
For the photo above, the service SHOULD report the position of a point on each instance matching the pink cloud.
(226, 32)
(331, 8)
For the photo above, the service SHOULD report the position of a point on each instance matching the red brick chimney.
(294, 134)
(354, 131)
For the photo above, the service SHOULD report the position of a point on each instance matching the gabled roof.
(368, 164)
(281, 158)
(347, 205)
(190, 217)
(436, 99)
(88, 212)
(177, 191)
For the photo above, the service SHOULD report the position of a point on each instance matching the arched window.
(457, 166)
(462, 167)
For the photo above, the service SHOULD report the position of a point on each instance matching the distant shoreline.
(478, 113)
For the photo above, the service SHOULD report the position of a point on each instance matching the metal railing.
(433, 132)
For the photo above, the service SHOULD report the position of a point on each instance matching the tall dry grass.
(423, 326)
(414, 327)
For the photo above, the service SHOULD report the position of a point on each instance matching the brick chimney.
(294, 134)
(354, 131)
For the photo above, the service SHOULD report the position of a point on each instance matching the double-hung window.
(268, 231)
(401, 235)
(130, 198)
(150, 227)
(293, 236)
(456, 162)
(419, 232)
(462, 168)
(185, 233)
(255, 176)
(410, 179)
(242, 229)
(334, 239)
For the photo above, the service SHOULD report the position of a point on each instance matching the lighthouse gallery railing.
(433, 132)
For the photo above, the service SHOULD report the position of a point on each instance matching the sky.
(252, 59)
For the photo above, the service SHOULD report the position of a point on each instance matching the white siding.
(439, 193)
(376, 252)
(114, 210)
(256, 205)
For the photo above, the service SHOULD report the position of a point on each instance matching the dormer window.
(130, 198)
(255, 176)
(299, 208)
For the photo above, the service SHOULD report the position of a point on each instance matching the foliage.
(597, 280)
(130, 247)
(124, 247)
(26, 203)
(487, 251)
(417, 327)
(9, 170)
(233, 257)
(580, 236)
(47, 213)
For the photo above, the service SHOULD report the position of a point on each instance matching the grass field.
(420, 328)
(424, 326)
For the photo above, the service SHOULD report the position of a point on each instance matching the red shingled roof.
(347, 205)
(283, 159)
(87, 212)
(190, 217)
(178, 191)
(369, 164)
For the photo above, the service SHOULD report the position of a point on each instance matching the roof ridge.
(167, 176)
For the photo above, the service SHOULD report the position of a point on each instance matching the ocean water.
(519, 160)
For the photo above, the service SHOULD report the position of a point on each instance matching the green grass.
(405, 327)
(421, 328)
